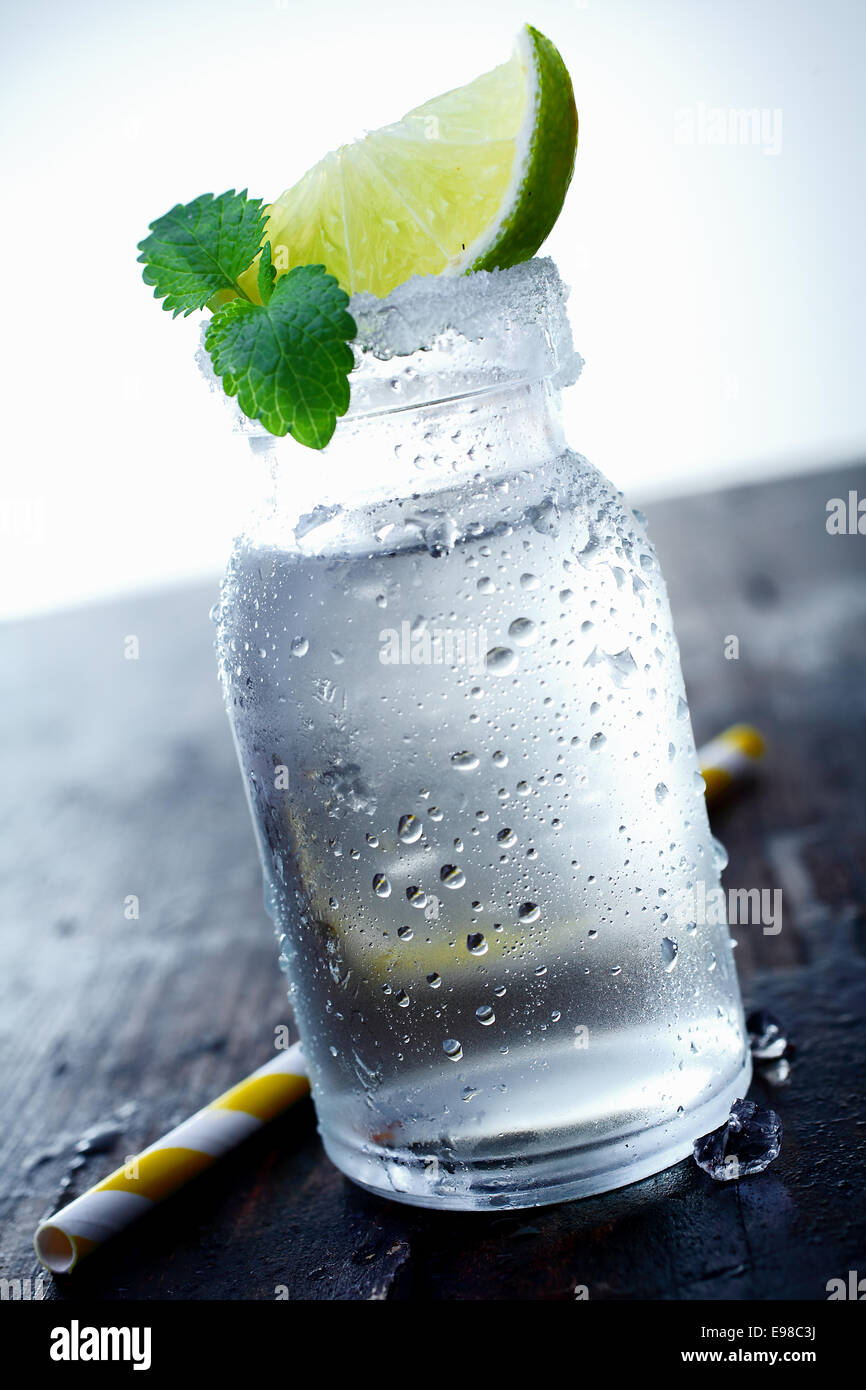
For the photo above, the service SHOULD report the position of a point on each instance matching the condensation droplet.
(465, 762)
(409, 829)
(670, 953)
(501, 661)
(523, 631)
(452, 876)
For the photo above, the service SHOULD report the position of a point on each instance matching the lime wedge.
(472, 180)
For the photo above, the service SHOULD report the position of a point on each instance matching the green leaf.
(288, 361)
(201, 247)
(267, 274)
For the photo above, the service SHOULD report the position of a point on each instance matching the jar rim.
(440, 338)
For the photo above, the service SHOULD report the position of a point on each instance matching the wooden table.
(120, 783)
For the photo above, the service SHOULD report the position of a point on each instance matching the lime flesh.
(472, 180)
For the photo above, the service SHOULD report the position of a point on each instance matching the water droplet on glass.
(417, 897)
(452, 876)
(597, 741)
(670, 953)
(720, 854)
(452, 1049)
(506, 836)
(405, 933)
(523, 631)
(465, 762)
(485, 1015)
(529, 912)
(475, 944)
(500, 758)
(529, 581)
(381, 886)
(409, 829)
(661, 793)
(501, 661)
(300, 646)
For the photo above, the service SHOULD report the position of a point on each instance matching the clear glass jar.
(449, 663)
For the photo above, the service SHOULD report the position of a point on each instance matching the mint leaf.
(288, 361)
(267, 274)
(200, 247)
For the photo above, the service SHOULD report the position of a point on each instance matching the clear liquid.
(475, 867)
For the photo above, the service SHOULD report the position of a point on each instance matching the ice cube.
(747, 1142)
(766, 1036)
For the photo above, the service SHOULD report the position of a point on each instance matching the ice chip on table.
(746, 1143)
(766, 1036)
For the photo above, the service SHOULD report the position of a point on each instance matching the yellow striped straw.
(729, 758)
(187, 1150)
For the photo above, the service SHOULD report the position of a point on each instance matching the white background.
(718, 290)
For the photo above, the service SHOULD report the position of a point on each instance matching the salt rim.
(523, 298)
(434, 325)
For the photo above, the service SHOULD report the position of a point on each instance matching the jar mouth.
(438, 338)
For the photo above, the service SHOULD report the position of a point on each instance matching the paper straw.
(729, 758)
(187, 1150)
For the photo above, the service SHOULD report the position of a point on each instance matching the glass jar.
(450, 668)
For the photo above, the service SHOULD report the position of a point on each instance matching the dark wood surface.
(119, 778)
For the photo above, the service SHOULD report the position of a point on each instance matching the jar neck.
(420, 449)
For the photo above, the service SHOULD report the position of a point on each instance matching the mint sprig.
(286, 359)
(200, 247)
